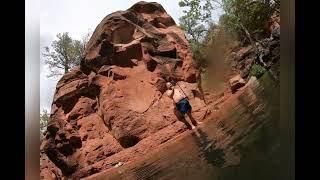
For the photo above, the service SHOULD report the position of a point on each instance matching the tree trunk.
(249, 37)
(66, 68)
(247, 33)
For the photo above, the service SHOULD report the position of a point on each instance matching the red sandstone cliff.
(112, 109)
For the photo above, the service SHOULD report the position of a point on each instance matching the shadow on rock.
(209, 152)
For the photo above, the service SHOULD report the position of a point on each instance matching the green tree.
(85, 38)
(245, 20)
(197, 15)
(44, 118)
(246, 17)
(64, 54)
(195, 22)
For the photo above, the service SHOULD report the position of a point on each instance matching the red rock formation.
(236, 82)
(112, 109)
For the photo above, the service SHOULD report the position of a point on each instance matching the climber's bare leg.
(194, 122)
(183, 119)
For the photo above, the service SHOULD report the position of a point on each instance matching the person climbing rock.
(182, 105)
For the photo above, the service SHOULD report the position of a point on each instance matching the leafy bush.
(44, 118)
(198, 55)
(257, 70)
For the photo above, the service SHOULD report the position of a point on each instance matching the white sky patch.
(79, 17)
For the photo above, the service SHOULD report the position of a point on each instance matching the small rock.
(236, 82)
(69, 127)
(208, 146)
(119, 164)
(135, 61)
(252, 81)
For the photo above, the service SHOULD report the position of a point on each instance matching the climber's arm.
(170, 93)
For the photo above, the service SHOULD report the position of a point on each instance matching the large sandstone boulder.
(112, 108)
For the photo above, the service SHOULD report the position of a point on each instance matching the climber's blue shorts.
(183, 106)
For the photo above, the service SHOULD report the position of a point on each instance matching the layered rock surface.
(112, 108)
(265, 52)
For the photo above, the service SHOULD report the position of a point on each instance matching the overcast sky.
(78, 17)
